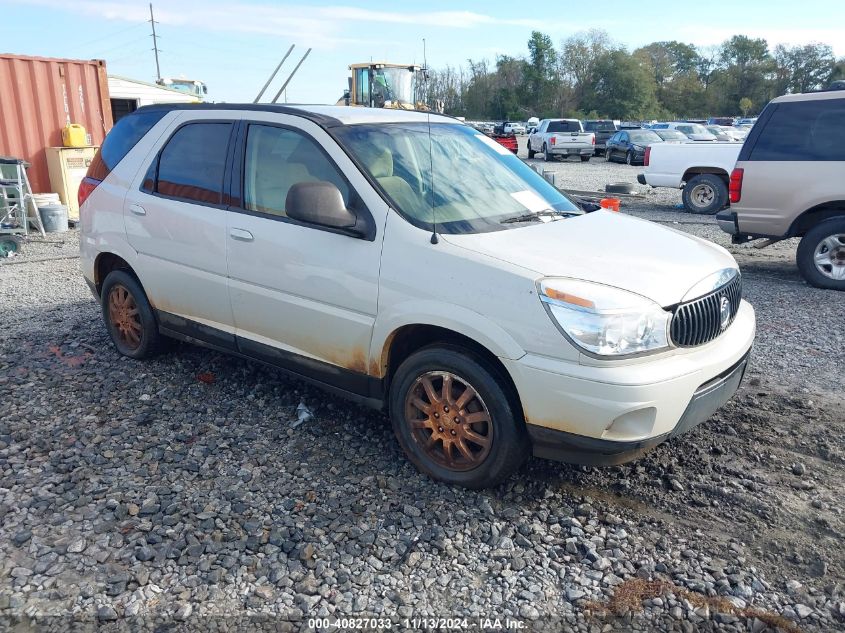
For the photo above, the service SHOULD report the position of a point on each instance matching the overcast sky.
(234, 46)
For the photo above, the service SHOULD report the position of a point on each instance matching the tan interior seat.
(278, 169)
(381, 168)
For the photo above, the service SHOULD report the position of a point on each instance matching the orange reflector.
(568, 298)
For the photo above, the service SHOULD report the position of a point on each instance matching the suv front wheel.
(821, 254)
(454, 420)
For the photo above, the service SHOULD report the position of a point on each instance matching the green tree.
(803, 68)
(669, 59)
(578, 58)
(541, 73)
(624, 88)
(745, 70)
(745, 105)
(507, 82)
(674, 66)
(838, 71)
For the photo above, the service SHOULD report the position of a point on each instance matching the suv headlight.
(603, 320)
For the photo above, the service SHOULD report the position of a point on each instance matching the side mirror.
(319, 203)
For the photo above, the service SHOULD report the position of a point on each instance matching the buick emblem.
(724, 312)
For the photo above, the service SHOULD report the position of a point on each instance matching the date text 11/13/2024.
(417, 623)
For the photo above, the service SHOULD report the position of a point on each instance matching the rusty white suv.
(413, 264)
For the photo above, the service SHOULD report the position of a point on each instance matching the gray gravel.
(138, 492)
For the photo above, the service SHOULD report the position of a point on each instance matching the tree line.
(591, 76)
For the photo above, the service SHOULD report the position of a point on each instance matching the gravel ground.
(177, 492)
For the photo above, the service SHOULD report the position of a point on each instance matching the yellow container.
(74, 135)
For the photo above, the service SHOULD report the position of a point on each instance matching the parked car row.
(715, 129)
(508, 127)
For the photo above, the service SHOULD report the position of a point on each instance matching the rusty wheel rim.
(125, 318)
(449, 420)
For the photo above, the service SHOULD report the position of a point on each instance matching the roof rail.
(320, 119)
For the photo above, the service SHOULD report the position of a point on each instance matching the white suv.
(413, 264)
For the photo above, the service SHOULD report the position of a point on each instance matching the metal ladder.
(17, 204)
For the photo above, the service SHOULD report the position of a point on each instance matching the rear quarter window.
(803, 131)
(122, 138)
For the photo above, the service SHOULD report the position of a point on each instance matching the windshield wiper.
(536, 215)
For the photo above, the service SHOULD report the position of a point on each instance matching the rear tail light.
(552, 140)
(593, 139)
(647, 156)
(87, 185)
(735, 188)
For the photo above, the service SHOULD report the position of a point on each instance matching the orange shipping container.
(39, 96)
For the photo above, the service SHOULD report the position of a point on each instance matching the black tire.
(530, 151)
(629, 158)
(831, 231)
(584, 159)
(705, 194)
(620, 187)
(149, 341)
(546, 156)
(608, 156)
(509, 446)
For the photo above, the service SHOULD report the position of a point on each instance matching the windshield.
(644, 136)
(393, 86)
(463, 179)
(671, 135)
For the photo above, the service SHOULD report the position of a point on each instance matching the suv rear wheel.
(821, 254)
(129, 316)
(454, 420)
(705, 194)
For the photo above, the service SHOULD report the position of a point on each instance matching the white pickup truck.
(561, 137)
(701, 169)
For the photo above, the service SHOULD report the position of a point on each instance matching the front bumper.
(578, 449)
(604, 412)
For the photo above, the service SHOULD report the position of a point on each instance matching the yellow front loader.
(383, 85)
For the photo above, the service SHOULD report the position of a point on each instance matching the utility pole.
(155, 43)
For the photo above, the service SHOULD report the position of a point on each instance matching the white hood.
(608, 248)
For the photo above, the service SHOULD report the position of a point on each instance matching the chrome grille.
(699, 321)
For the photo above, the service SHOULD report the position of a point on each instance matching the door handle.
(137, 209)
(241, 235)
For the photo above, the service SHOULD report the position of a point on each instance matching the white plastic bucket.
(45, 199)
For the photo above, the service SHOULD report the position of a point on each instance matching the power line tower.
(155, 43)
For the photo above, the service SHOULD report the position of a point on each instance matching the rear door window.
(803, 131)
(192, 164)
